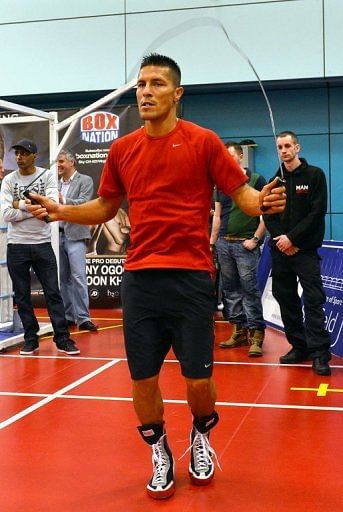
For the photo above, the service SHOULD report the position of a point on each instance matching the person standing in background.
(29, 246)
(237, 237)
(296, 234)
(74, 188)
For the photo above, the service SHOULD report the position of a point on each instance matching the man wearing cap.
(29, 246)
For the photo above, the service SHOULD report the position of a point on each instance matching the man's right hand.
(42, 206)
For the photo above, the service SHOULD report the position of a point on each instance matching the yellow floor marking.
(322, 390)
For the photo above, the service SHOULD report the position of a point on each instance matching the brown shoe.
(239, 337)
(256, 337)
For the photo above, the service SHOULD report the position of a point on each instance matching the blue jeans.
(41, 258)
(73, 279)
(241, 295)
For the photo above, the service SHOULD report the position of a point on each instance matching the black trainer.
(88, 326)
(29, 347)
(321, 366)
(67, 346)
(294, 356)
(161, 484)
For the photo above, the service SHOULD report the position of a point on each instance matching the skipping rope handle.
(26, 193)
(282, 181)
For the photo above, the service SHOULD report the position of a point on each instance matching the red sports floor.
(68, 441)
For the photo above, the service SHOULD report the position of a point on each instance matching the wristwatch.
(256, 239)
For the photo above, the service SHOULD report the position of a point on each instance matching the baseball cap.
(27, 144)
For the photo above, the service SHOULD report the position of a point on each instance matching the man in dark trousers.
(29, 246)
(296, 234)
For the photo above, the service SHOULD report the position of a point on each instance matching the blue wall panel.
(337, 226)
(336, 109)
(337, 172)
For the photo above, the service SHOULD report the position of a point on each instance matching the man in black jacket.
(296, 234)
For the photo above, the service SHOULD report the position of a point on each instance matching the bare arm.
(272, 197)
(252, 243)
(215, 223)
(97, 211)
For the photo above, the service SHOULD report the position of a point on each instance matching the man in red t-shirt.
(167, 170)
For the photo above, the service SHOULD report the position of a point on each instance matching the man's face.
(236, 156)
(24, 158)
(65, 167)
(288, 149)
(156, 93)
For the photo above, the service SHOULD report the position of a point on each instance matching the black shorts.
(164, 309)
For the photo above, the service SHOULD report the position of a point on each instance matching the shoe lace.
(160, 462)
(202, 451)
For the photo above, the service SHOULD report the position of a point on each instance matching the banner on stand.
(90, 141)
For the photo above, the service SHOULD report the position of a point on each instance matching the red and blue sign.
(99, 127)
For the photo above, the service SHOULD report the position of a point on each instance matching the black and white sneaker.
(201, 467)
(67, 346)
(29, 348)
(161, 484)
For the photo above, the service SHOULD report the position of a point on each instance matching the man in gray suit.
(74, 188)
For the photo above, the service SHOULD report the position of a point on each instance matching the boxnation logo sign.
(99, 127)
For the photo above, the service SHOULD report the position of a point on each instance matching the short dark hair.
(290, 133)
(237, 147)
(155, 59)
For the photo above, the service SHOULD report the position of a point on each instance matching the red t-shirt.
(169, 184)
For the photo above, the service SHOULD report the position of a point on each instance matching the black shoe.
(88, 326)
(68, 346)
(294, 356)
(29, 348)
(321, 366)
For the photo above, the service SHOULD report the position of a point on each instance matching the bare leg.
(147, 401)
(148, 404)
(201, 396)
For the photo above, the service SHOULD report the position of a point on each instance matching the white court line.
(129, 399)
(50, 398)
